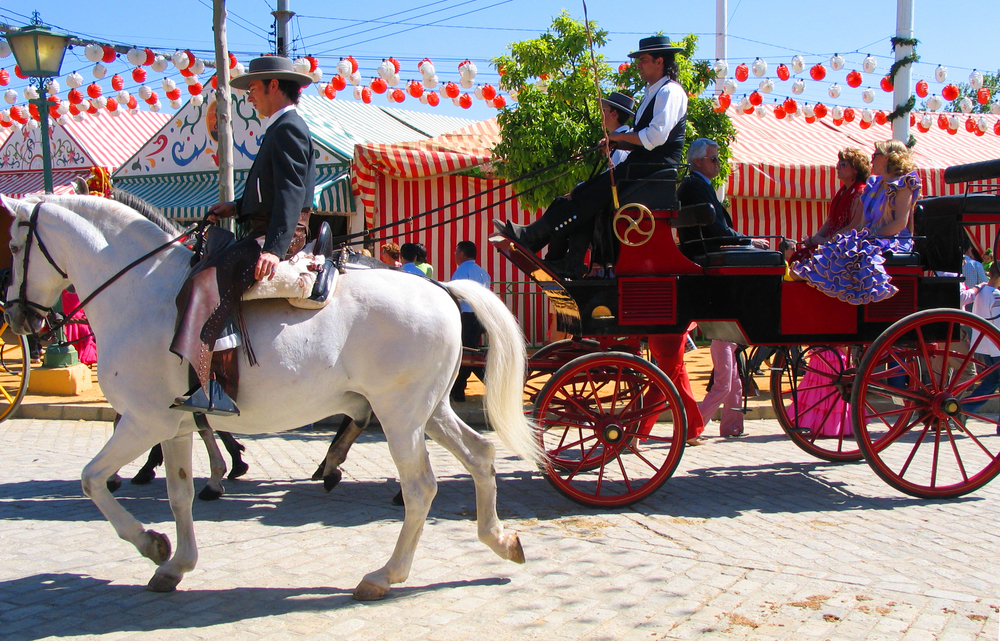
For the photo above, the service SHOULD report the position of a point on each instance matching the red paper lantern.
(433, 99)
(838, 121)
(215, 82)
(415, 89)
(75, 96)
(970, 124)
(979, 132)
(132, 103)
(354, 63)
(886, 84)
(783, 73)
(865, 124)
(395, 64)
(465, 101)
(330, 91)
(4, 78)
(817, 72)
(820, 110)
(94, 90)
(942, 121)
(810, 119)
(790, 105)
(366, 95)
(186, 72)
(74, 110)
(338, 82)
(996, 128)
(742, 72)
(922, 88)
(949, 92)
(921, 128)
(109, 54)
(139, 75)
(150, 59)
(152, 98)
(451, 90)
(854, 79)
(849, 114)
(6, 123)
(112, 105)
(33, 111)
(622, 68)
(724, 101)
(880, 117)
(195, 89)
(17, 72)
(16, 114)
(952, 132)
(755, 98)
(314, 64)
(913, 119)
(779, 112)
(379, 85)
(92, 109)
(500, 102)
(55, 100)
(398, 95)
(489, 93)
(983, 95)
(117, 83)
(174, 94)
(191, 58)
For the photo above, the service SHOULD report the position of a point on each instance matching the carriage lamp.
(39, 53)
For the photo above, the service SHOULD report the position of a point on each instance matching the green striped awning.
(188, 196)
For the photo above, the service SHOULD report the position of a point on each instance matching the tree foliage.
(557, 114)
(990, 80)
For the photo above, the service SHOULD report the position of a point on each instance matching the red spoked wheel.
(543, 363)
(810, 393)
(915, 405)
(613, 428)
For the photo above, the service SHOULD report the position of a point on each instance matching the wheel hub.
(612, 433)
(945, 406)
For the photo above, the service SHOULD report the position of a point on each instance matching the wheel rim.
(810, 400)
(15, 367)
(941, 449)
(597, 419)
(548, 359)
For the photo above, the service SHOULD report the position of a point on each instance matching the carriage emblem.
(630, 223)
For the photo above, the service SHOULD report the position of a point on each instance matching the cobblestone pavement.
(751, 539)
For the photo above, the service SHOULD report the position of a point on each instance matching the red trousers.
(669, 354)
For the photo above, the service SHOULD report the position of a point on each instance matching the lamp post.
(39, 52)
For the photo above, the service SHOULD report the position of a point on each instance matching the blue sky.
(448, 31)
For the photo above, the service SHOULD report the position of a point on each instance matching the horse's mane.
(146, 209)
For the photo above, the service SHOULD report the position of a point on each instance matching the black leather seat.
(902, 259)
(658, 191)
(741, 257)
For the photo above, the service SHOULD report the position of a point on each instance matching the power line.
(398, 13)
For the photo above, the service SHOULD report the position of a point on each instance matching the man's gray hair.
(700, 148)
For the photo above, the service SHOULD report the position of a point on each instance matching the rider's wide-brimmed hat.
(655, 43)
(619, 100)
(268, 67)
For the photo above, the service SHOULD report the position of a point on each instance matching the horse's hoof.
(368, 591)
(114, 483)
(398, 499)
(156, 548)
(515, 552)
(239, 469)
(331, 480)
(143, 477)
(318, 474)
(163, 583)
(208, 494)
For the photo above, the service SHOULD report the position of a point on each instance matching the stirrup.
(215, 402)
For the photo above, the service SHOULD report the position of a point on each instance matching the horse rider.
(272, 217)
(656, 142)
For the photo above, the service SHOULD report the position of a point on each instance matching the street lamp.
(39, 52)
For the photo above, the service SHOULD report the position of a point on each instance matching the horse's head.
(36, 281)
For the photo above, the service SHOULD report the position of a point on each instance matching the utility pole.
(721, 53)
(223, 106)
(281, 18)
(901, 83)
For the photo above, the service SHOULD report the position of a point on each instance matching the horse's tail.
(505, 367)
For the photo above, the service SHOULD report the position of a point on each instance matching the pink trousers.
(727, 390)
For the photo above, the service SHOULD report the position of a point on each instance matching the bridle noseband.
(22, 294)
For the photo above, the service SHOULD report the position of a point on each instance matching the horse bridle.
(48, 312)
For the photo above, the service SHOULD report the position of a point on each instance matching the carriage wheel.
(918, 370)
(600, 425)
(810, 399)
(548, 359)
(15, 367)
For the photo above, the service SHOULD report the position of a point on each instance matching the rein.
(48, 312)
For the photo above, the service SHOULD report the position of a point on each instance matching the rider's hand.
(221, 210)
(760, 243)
(265, 266)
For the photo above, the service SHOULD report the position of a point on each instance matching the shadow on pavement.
(75, 604)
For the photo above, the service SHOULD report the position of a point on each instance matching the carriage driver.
(272, 217)
(656, 142)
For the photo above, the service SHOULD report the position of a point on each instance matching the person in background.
(390, 255)
(987, 305)
(973, 270)
(422, 263)
(408, 252)
(727, 391)
(472, 331)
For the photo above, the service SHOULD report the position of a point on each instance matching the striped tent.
(101, 140)
(784, 171)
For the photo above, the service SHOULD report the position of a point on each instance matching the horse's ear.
(8, 206)
(80, 186)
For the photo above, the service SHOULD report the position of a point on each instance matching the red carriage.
(896, 372)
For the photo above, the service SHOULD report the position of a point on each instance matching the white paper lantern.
(168, 84)
(4, 49)
(808, 111)
(729, 86)
(975, 79)
(74, 80)
(100, 102)
(934, 102)
(123, 97)
(144, 92)
(99, 71)
(834, 90)
(423, 98)
(926, 121)
(94, 52)
(301, 65)
(197, 101)
(321, 88)
(953, 123)
(190, 80)
(136, 56)
(870, 64)
(995, 108)
(981, 124)
(867, 115)
(766, 85)
(721, 68)
(467, 83)
(316, 75)
(32, 124)
(30, 93)
(837, 112)
(759, 67)
(427, 70)
(431, 82)
(965, 105)
(237, 71)
(159, 64)
(175, 104)
(156, 106)
(10, 96)
(63, 120)
(357, 93)
(63, 107)
(760, 112)
(181, 60)
(941, 73)
(344, 67)
(837, 62)
(478, 92)
(455, 102)
(84, 106)
(134, 111)
(798, 64)
(355, 78)
(798, 86)
(52, 87)
(197, 68)
(392, 80)
(868, 95)
(389, 96)
(467, 71)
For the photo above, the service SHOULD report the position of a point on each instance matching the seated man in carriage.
(656, 142)
(273, 217)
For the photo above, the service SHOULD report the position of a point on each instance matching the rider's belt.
(261, 221)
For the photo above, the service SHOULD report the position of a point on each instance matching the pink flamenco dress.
(79, 334)
(818, 405)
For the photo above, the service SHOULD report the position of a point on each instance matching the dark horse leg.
(336, 454)
(234, 448)
(147, 472)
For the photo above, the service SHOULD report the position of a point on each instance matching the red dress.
(79, 333)
(838, 216)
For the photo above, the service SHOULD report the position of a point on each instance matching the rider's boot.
(323, 249)
(572, 266)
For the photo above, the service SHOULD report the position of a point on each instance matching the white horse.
(388, 342)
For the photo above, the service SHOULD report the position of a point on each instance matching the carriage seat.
(740, 256)
(902, 259)
(658, 191)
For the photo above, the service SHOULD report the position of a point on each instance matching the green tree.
(557, 114)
